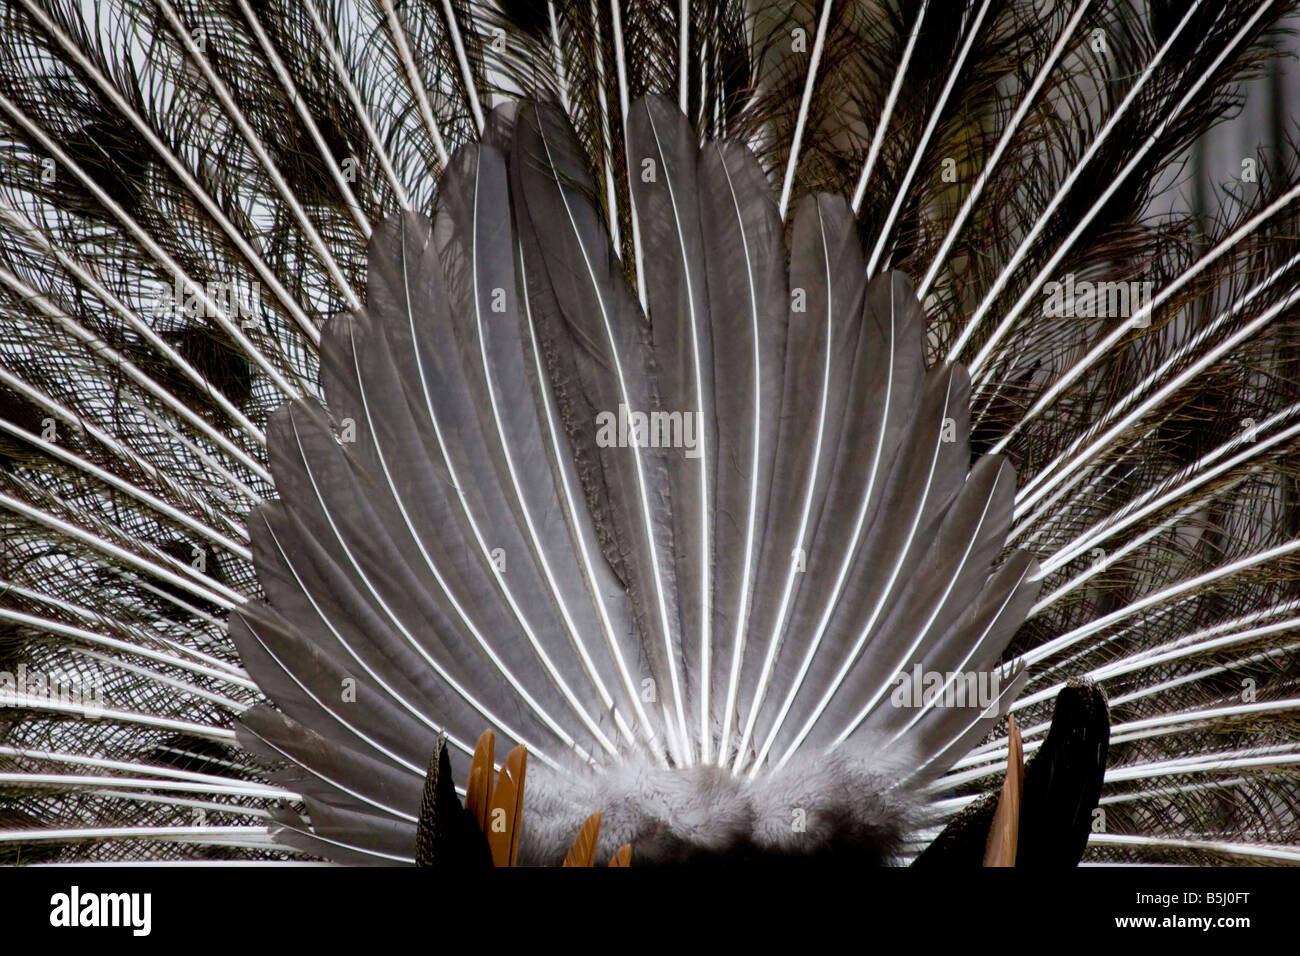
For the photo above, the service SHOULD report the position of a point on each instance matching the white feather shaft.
(236, 115)
(1191, 478)
(51, 626)
(704, 458)
(304, 114)
(91, 281)
(751, 511)
(968, 204)
(553, 429)
(207, 731)
(642, 487)
(113, 782)
(169, 265)
(805, 512)
(1276, 854)
(887, 111)
(683, 55)
(876, 612)
(624, 105)
(358, 104)
(902, 192)
(1045, 216)
(607, 152)
(201, 196)
(401, 627)
(413, 79)
(209, 589)
(462, 61)
(253, 837)
(1169, 388)
(814, 60)
(152, 770)
(1033, 287)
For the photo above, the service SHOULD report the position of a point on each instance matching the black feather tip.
(447, 834)
(1062, 787)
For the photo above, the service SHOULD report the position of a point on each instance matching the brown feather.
(583, 851)
(1001, 847)
(479, 787)
(508, 798)
(623, 857)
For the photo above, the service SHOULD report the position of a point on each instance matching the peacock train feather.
(473, 433)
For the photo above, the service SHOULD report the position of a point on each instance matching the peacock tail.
(799, 431)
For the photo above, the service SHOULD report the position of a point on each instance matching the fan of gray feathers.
(770, 419)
